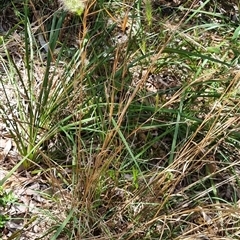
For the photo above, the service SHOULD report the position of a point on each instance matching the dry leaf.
(6, 145)
(7, 148)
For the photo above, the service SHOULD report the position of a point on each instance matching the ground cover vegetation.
(119, 120)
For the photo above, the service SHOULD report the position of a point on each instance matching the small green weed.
(6, 199)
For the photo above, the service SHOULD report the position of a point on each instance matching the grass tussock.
(123, 120)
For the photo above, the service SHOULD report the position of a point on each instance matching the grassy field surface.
(119, 120)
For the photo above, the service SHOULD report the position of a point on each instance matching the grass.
(121, 161)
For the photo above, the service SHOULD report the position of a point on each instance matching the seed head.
(74, 6)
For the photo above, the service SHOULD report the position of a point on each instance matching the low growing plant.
(6, 199)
